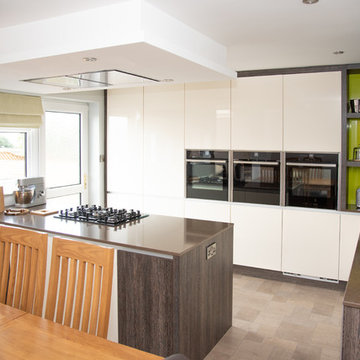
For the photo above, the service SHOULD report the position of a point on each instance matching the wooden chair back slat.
(5, 273)
(32, 280)
(71, 293)
(82, 298)
(87, 297)
(95, 300)
(2, 252)
(79, 295)
(19, 276)
(12, 276)
(62, 290)
(23, 256)
(26, 279)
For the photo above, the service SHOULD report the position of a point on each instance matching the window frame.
(32, 158)
(68, 107)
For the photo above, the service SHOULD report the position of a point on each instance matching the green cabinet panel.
(353, 137)
(353, 182)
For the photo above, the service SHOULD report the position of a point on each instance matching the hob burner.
(98, 215)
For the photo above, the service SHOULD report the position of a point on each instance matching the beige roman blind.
(20, 111)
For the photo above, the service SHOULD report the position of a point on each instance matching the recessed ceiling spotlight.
(338, 52)
(309, 2)
(90, 59)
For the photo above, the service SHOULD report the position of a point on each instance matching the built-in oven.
(311, 180)
(207, 174)
(256, 177)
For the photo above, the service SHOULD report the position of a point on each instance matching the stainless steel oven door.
(207, 179)
(311, 185)
(256, 182)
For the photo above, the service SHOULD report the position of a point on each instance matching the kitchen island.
(174, 286)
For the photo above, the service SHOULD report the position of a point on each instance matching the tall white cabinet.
(164, 149)
(207, 115)
(312, 112)
(256, 113)
(125, 148)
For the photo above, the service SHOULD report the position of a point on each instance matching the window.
(65, 139)
(18, 156)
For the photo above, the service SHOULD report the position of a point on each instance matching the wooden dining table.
(26, 336)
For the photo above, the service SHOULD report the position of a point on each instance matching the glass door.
(66, 160)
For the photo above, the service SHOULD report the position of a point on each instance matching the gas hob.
(102, 216)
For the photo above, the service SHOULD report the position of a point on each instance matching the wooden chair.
(80, 284)
(23, 256)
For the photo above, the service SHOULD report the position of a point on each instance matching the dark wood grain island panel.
(351, 312)
(205, 306)
(147, 307)
(183, 304)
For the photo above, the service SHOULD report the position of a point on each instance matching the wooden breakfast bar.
(173, 279)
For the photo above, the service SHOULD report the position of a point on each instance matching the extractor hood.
(94, 79)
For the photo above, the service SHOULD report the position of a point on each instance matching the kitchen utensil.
(2, 203)
(354, 105)
(358, 197)
(25, 195)
(31, 192)
(43, 212)
(15, 211)
(356, 153)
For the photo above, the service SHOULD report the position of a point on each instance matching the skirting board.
(279, 276)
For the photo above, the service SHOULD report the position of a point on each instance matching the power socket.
(210, 251)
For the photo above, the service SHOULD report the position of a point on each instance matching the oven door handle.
(207, 161)
(310, 164)
(256, 162)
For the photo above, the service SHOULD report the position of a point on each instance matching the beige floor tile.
(327, 335)
(307, 352)
(274, 320)
(295, 332)
(330, 354)
(247, 313)
(250, 350)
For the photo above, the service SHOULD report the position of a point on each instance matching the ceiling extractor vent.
(103, 78)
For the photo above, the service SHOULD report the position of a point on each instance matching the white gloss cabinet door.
(125, 142)
(207, 115)
(207, 210)
(312, 112)
(168, 206)
(164, 141)
(349, 235)
(256, 113)
(257, 236)
(311, 243)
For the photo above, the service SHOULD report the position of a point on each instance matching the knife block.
(2, 206)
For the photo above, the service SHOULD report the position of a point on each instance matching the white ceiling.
(263, 34)
(258, 34)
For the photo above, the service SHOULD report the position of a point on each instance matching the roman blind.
(20, 111)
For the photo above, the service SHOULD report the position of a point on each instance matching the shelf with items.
(351, 139)
(353, 116)
(353, 183)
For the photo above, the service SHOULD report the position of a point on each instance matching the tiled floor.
(275, 320)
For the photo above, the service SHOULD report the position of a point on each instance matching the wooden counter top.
(155, 233)
(352, 292)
